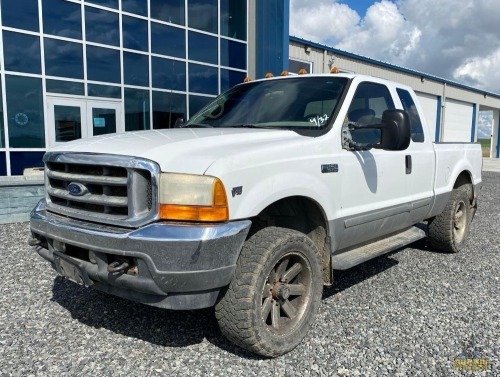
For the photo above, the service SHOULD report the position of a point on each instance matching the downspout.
(443, 113)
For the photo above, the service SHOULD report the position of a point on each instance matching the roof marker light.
(335, 70)
(268, 75)
(284, 73)
(247, 79)
(302, 71)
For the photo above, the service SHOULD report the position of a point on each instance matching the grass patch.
(485, 146)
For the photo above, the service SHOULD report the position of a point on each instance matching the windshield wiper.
(197, 125)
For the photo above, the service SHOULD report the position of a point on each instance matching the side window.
(369, 103)
(417, 133)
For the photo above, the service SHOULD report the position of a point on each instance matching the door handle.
(408, 164)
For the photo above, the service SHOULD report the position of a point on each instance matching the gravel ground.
(408, 313)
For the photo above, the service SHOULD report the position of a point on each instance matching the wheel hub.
(281, 291)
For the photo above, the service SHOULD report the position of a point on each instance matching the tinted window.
(103, 64)
(203, 48)
(295, 66)
(101, 26)
(105, 3)
(417, 132)
(176, 44)
(64, 87)
(67, 123)
(202, 15)
(168, 10)
(25, 112)
(3, 164)
(230, 78)
(2, 132)
(108, 91)
(62, 18)
(136, 109)
(22, 160)
(135, 69)
(196, 103)
(167, 108)
(135, 6)
(168, 74)
(63, 58)
(135, 33)
(103, 121)
(21, 52)
(203, 79)
(233, 54)
(233, 18)
(21, 14)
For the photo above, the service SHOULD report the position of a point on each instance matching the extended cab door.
(377, 193)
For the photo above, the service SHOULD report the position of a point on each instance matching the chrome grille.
(102, 188)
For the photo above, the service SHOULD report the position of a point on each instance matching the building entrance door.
(71, 119)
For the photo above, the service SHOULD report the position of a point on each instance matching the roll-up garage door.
(458, 121)
(429, 105)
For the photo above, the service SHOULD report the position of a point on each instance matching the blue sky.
(359, 6)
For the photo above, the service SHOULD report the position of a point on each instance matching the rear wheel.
(275, 293)
(449, 230)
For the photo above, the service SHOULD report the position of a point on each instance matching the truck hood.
(183, 150)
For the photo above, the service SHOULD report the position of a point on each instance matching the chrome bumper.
(176, 266)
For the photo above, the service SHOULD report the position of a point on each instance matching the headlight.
(192, 198)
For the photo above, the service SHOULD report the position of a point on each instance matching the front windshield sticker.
(319, 120)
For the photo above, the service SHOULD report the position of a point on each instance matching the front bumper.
(175, 266)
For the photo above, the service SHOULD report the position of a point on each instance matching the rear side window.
(417, 132)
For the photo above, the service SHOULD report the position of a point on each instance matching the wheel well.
(301, 214)
(464, 179)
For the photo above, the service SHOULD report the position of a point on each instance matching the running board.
(361, 254)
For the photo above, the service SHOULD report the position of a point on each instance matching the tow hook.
(34, 241)
(118, 266)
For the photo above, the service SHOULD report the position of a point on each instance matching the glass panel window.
(102, 26)
(203, 79)
(21, 14)
(167, 108)
(65, 87)
(62, 18)
(417, 132)
(196, 103)
(67, 122)
(21, 52)
(168, 74)
(3, 164)
(233, 19)
(103, 121)
(139, 7)
(135, 33)
(25, 112)
(63, 58)
(135, 69)
(203, 48)
(105, 3)
(136, 109)
(233, 54)
(168, 40)
(295, 66)
(103, 64)
(229, 78)
(168, 10)
(22, 160)
(202, 15)
(107, 91)
(2, 134)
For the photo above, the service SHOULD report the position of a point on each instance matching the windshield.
(292, 103)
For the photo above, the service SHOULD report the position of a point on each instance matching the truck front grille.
(108, 189)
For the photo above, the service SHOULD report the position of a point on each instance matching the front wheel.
(275, 293)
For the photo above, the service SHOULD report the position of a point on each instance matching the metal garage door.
(429, 105)
(458, 121)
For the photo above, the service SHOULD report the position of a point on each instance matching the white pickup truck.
(253, 204)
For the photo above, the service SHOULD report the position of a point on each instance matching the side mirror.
(395, 130)
(179, 122)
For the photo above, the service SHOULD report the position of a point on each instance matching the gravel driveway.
(408, 313)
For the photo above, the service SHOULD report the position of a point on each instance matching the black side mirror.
(179, 122)
(395, 129)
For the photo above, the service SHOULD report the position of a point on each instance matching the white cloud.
(485, 124)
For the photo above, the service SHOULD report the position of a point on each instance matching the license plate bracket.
(71, 269)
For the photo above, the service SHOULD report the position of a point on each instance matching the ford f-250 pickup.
(253, 204)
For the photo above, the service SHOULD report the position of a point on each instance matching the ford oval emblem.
(77, 189)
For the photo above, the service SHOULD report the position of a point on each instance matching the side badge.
(330, 168)
(237, 191)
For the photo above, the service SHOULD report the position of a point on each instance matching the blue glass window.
(22, 160)
(63, 58)
(135, 6)
(21, 14)
(203, 48)
(25, 112)
(107, 91)
(196, 103)
(103, 64)
(168, 10)
(168, 74)
(167, 108)
(62, 18)
(136, 109)
(203, 79)
(21, 52)
(3, 164)
(64, 87)
(233, 19)
(2, 133)
(229, 78)
(135, 69)
(233, 54)
(135, 33)
(105, 3)
(168, 40)
(102, 26)
(202, 15)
